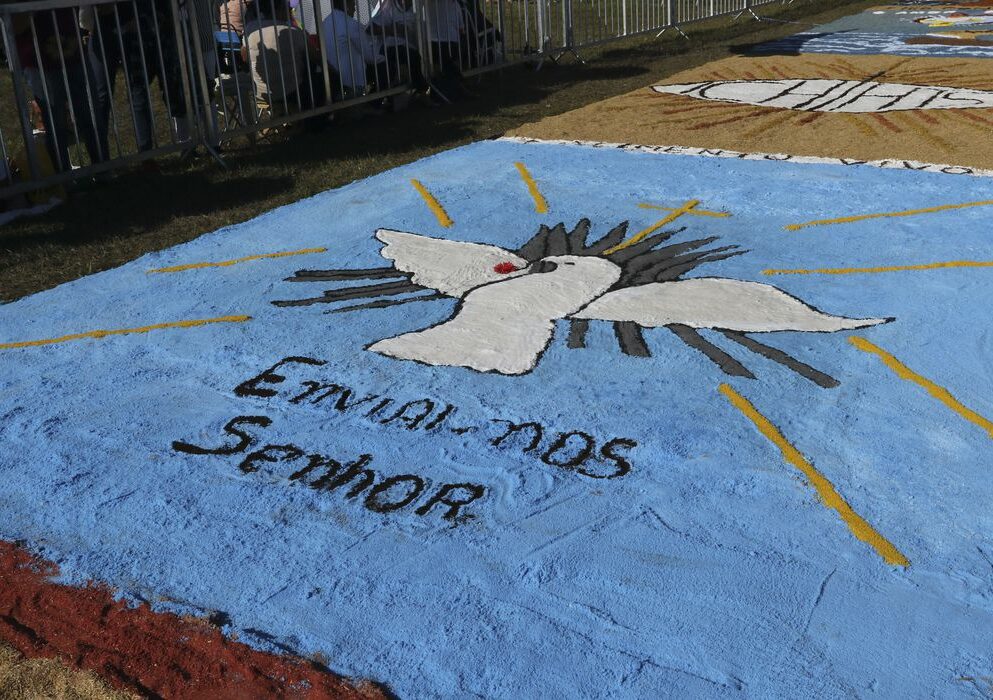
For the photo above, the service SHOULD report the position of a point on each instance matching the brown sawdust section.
(949, 136)
(136, 649)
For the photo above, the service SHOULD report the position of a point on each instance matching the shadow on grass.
(428, 128)
(138, 202)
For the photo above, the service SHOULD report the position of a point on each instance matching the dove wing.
(710, 302)
(451, 267)
(501, 327)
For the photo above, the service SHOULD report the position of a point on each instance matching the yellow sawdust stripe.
(641, 235)
(228, 263)
(939, 392)
(861, 124)
(694, 212)
(825, 489)
(924, 133)
(124, 331)
(433, 204)
(887, 215)
(540, 203)
(871, 270)
(769, 124)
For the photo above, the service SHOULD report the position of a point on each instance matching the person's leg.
(378, 75)
(104, 62)
(169, 72)
(448, 77)
(100, 94)
(135, 64)
(83, 108)
(316, 88)
(450, 61)
(438, 56)
(210, 70)
(403, 56)
(51, 99)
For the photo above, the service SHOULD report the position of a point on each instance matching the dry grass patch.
(49, 679)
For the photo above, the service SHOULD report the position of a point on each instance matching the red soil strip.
(158, 655)
(887, 123)
(973, 117)
(694, 108)
(740, 117)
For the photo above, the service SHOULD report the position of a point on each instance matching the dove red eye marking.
(505, 268)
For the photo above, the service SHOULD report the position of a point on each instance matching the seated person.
(393, 24)
(351, 52)
(279, 57)
(446, 33)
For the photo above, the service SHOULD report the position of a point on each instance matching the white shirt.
(390, 15)
(349, 48)
(444, 20)
(305, 13)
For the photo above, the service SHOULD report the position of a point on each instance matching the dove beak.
(544, 266)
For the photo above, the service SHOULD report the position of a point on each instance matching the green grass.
(139, 212)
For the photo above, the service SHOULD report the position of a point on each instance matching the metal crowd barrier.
(90, 86)
(68, 117)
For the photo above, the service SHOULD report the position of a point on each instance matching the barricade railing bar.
(91, 86)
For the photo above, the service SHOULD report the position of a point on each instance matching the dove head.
(569, 282)
(578, 267)
(548, 289)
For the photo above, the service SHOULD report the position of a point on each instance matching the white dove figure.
(509, 301)
(504, 326)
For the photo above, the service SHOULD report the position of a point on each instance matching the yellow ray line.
(641, 235)
(124, 331)
(887, 215)
(228, 263)
(540, 204)
(939, 392)
(825, 489)
(891, 268)
(861, 124)
(433, 204)
(695, 212)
